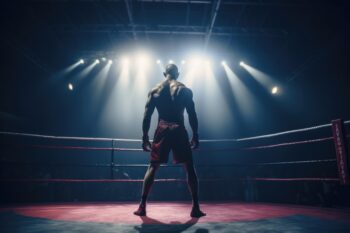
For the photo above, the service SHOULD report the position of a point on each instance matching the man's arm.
(149, 109)
(192, 117)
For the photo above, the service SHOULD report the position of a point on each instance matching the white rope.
(138, 140)
(286, 132)
(269, 135)
(70, 138)
(219, 140)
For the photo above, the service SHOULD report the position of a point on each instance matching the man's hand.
(194, 142)
(146, 145)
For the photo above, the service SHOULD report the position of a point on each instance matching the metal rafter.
(240, 2)
(225, 2)
(170, 29)
(215, 10)
(131, 20)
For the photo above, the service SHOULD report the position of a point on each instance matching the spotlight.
(97, 61)
(158, 61)
(241, 63)
(274, 90)
(171, 61)
(110, 61)
(81, 61)
(223, 63)
(70, 87)
(183, 62)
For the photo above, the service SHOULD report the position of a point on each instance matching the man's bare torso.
(170, 98)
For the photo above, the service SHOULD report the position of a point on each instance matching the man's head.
(171, 71)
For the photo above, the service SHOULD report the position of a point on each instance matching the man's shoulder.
(183, 87)
(185, 91)
(180, 84)
(155, 89)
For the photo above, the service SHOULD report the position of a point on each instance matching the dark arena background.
(270, 82)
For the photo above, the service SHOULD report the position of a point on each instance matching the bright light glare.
(143, 61)
(70, 87)
(195, 61)
(241, 92)
(171, 61)
(97, 61)
(125, 61)
(71, 67)
(274, 90)
(264, 79)
(103, 59)
(158, 61)
(223, 63)
(183, 62)
(110, 61)
(211, 96)
(241, 63)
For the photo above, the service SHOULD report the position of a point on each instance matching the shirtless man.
(171, 98)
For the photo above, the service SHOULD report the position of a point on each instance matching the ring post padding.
(340, 149)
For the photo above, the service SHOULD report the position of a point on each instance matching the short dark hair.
(172, 70)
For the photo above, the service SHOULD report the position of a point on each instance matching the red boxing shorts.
(170, 136)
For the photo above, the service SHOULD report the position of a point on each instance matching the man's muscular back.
(171, 98)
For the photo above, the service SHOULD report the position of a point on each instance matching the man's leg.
(146, 188)
(192, 182)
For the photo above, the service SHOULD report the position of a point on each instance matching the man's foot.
(141, 211)
(197, 213)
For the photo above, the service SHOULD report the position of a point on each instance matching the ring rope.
(269, 146)
(166, 165)
(138, 140)
(82, 148)
(196, 150)
(289, 143)
(164, 180)
(296, 162)
(68, 137)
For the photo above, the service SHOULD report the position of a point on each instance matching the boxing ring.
(173, 216)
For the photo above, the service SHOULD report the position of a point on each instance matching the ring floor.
(172, 217)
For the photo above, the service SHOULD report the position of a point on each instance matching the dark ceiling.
(38, 29)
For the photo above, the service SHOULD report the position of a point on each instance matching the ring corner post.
(339, 137)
